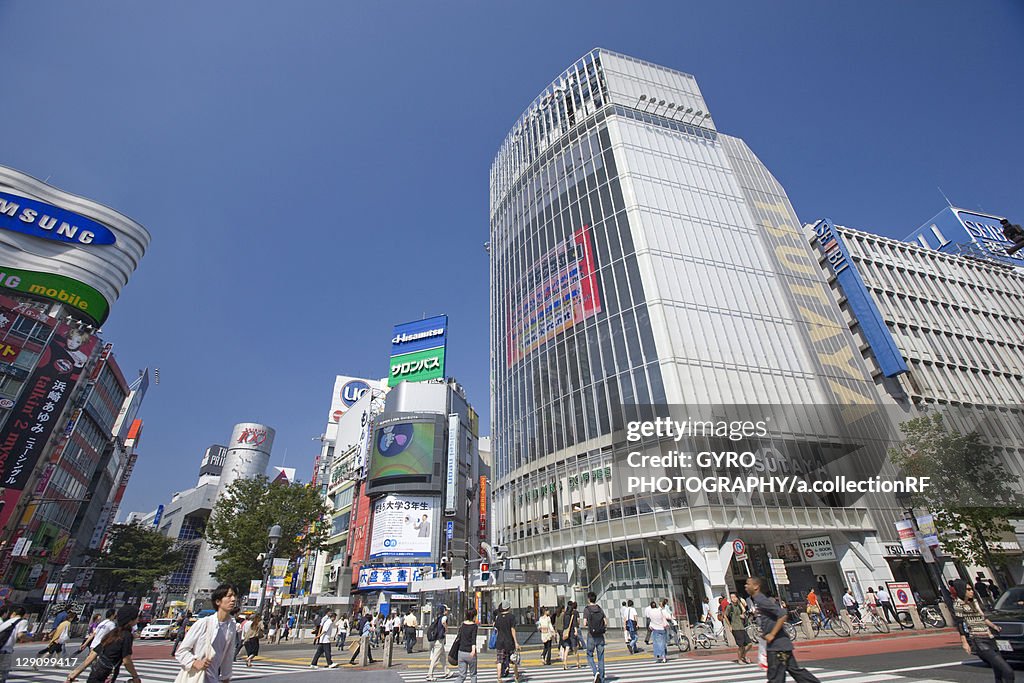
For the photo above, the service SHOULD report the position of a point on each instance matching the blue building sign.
(883, 346)
(36, 218)
(972, 233)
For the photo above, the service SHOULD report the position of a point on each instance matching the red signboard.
(557, 293)
(359, 525)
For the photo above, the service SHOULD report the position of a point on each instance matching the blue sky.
(315, 172)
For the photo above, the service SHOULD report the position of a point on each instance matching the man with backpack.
(12, 631)
(436, 635)
(597, 625)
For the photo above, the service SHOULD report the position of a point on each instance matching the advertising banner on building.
(907, 535)
(929, 534)
(817, 549)
(255, 587)
(277, 571)
(38, 410)
(396, 576)
(557, 293)
(347, 390)
(79, 295)
(418, 350)
(10, 346)
(451, 466)
(402, 526)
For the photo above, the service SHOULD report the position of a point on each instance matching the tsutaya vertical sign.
(452, 466)
(418, 350)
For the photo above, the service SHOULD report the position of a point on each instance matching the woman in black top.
(115, 648)
(467, 647)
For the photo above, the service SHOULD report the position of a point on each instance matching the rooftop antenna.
(944, 196)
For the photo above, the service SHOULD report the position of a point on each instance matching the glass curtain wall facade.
(638, 258)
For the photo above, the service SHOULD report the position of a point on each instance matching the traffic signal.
(485, 571)
(1014, 233)
(446, 567)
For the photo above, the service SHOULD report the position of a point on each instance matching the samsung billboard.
(60, 247)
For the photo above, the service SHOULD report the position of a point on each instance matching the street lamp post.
(273, 536)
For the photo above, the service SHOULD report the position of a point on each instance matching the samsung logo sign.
(403, 338)
(32, 217)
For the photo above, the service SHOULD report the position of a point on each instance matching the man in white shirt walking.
(328, 630)
(210, 644)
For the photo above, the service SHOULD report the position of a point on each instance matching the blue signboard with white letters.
(888, 355)
(393, 576)
(39, 219)
(953, 229)
(419, 335)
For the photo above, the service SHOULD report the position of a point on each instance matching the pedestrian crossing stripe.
(156, 671)
(686, 669)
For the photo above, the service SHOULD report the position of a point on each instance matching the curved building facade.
(640, 259)
(65, 248)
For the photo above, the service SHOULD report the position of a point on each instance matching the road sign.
(739, 550)
(449, 530)
(779, 571)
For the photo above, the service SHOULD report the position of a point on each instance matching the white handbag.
(190, 675)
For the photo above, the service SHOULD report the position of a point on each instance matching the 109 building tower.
(639, 257)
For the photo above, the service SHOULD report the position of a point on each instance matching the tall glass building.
(639, 257)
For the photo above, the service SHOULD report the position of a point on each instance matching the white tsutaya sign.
(817, 549)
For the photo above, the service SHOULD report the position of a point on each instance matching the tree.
(134, 559)
(968, 493)
(239, 522)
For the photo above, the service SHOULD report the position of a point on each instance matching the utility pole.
(933, 572)
(470, 496)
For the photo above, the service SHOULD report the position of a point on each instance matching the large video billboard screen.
(561, 291)
(405, 449)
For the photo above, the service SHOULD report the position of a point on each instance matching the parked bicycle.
(829, 621)
(703, 636)
(930, 617)
(869, 620)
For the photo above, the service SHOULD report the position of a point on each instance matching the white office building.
(640, 257)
